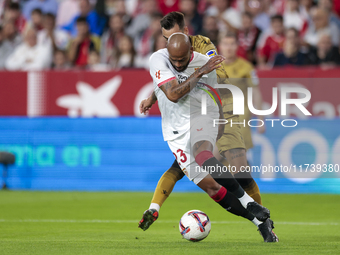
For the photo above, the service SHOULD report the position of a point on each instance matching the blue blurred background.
(129, 154)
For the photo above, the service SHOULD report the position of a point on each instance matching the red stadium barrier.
(109, 94)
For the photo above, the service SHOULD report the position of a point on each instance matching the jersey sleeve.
(209, 50)
(159, 70)
(204, 46)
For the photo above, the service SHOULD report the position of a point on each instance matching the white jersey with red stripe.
(176, 116)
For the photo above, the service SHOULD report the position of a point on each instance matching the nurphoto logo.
(238, 105)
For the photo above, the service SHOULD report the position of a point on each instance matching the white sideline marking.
(163, 221)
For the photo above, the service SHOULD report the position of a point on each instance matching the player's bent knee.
(202, 146)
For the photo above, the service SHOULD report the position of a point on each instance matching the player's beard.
(182, 68)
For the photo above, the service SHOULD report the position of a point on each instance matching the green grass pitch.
(106, 223)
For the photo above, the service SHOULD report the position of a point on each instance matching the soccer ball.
(194, 225)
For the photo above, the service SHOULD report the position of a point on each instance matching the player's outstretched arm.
(175, 91)
(146, 104)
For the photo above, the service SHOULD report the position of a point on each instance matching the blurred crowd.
(102, 35)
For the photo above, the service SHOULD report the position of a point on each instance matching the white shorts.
(201, 129)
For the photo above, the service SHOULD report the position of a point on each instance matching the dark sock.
(224, 178)
(244, 179)
(219, 172)
(229, 202)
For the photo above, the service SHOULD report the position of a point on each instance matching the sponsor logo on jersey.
(181, 78)
(211, 53)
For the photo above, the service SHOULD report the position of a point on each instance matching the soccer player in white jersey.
(181, 79)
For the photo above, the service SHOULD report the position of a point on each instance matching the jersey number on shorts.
(182, 156)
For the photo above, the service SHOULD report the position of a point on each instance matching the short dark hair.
(14, 6)
(50, 15)
(276, 17)
(37, 11)
(82, 19)
(171, 19)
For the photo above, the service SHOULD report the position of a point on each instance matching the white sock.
(245, 199)
(256, 222)
(155, 206)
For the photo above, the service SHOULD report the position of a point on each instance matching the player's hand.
(145, 106)
(212, 64)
